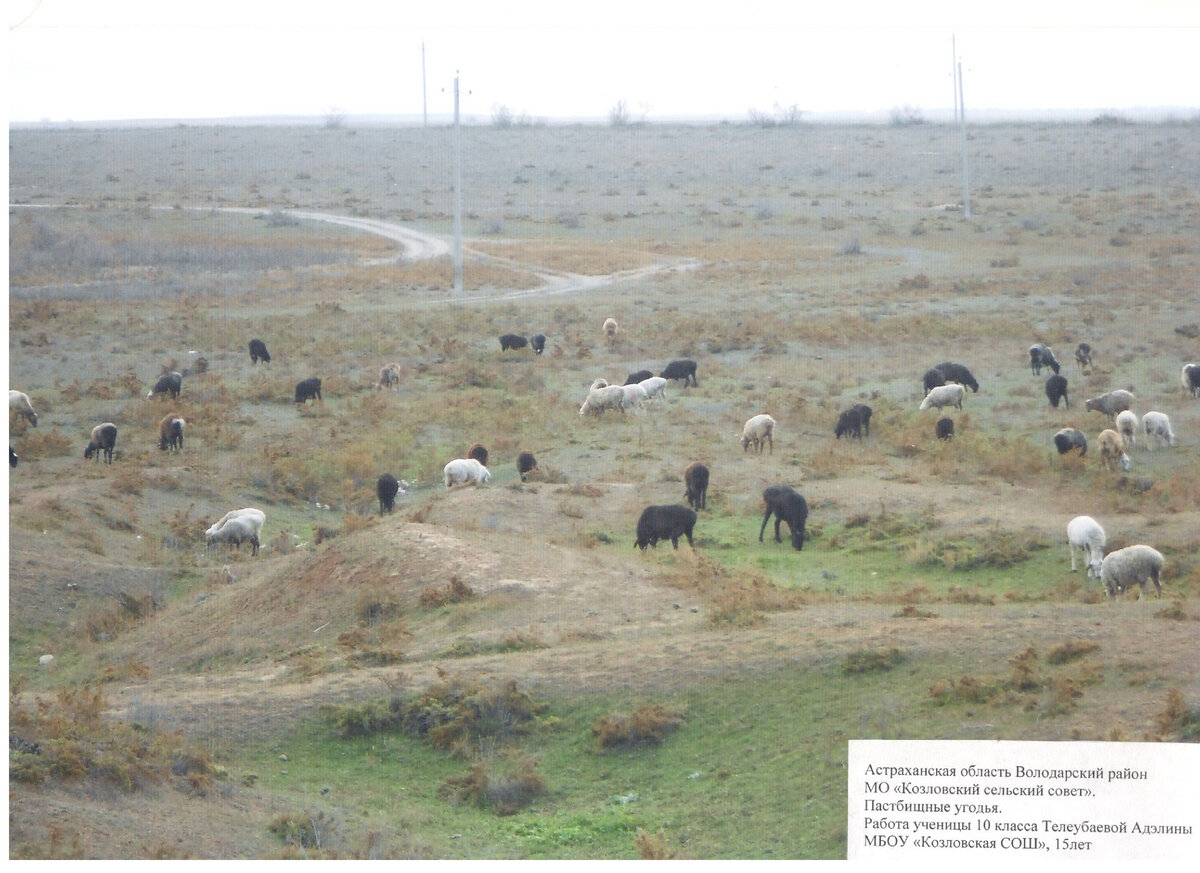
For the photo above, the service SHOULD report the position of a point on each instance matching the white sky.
(120, 59)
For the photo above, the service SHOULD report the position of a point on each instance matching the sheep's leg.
(766, 517)
(778, 519)
(1072, 548)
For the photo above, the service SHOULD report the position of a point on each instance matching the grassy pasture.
(805, 269)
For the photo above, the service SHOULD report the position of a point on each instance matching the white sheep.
(597, 384)
(1158, 429)
(1130, 566)
(1112, 450)
(600, 399)
(635, 397)
(18, 402)
(1126, 425)
(944, 395)
(237, 530)
(610, 327)
(756, 430)
(1084, 533)
(655, 386)
(467, 471)
(1111, 403)
(257, 517)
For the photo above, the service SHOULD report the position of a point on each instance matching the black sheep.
(512, 341)
(665, 522)
(695, 478)
(1056, 390)
(308, 389)
(944, 428)
(853, 421)
(1069, 438)
(787, 505)
(639, 376)
(104, 438)
(168, 383)
(258, 351)
(953, 372)
(1190, 374)
(526, 463)
(933, 379)
(12, 457)
(386, 488)
(539, 343)
(1083, 355)
(170, 433)
(1041, 355)
(479, 452)
(684, 370)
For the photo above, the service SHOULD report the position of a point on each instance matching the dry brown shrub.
(454, 591)
(871, 660)
(646, 726)
(910, 611)
(1071, 650)
(734, 598)
(655, 847)
(41, 443)
(126, 480)
(504, 790)
(1177, 721)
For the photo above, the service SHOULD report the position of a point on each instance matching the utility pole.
(954, 74)
(424, 91)
(962, 126)
(458, 258)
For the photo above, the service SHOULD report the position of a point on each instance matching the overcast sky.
(143, 59)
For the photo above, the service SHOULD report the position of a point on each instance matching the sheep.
(467, 471)
(1191, 379)
(526, 464)
(479, 452)
(1056, 390)
(635, 397)
(944, 395)
(655, 386)
(944, 428)
(386, 488)
(757, 429)
(512, 341)
(538, 341)
(610, 328)
(853, 422)
(1158, 429)
(695, 480)
(787, 505)
(953, 372)
(639, 376)
(258, 351)
(389, 376)
(1083, 355)
(308, 389)
(1111, 403)
(665, 522)
(235, 532)
(12, 457)
(1085, 534)
(1069, 438)
(104, 437)
(606, 397)
(170, 432)
(933, 378)
(1112, 450)
(1126, 423)
(168, 383)
(1041, 355)
(598, 383)
(255, 517)
(684, 370)
(18, 402)
(1130, 566)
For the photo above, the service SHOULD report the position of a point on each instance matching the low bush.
(505, 789)
(871, 660)
(647, 725)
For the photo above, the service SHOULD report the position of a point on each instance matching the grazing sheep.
(1112, 450)
(1041, 355)
(256, 518)
(953, 372)
(757, 429)
(684, 370)
(308, 389)
(235, 532)
(170, 432)
(526, 464)
(258, 351)
(1083, 355)
(1085, 534)
(1111, 403)
(538, 342)
(479, 452)
(695, 480)
(1056, 390)
(932, 379)
(1130, 566)
(386, 488)
(512, 341)
(598, 383)
(389, 376)
(168, 383)
(605, 397)
(610, 327)
(18, 402)
(467, 471)
(950, 394)
(104, 437)
(12, 457)
(663, 523)
(635, 397)
(639, 376)
(787, 505)
(1126, 423)
(944, 428)
(1158, 429)
(853, 422)
(1069, 438)
(1191, 379)
(655, 386)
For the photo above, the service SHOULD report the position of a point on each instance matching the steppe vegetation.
(497, 672)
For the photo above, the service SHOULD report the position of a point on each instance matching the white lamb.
(1084, 533)
(257, 516)
(18, 402)
(600, 399)
(1130, 566)
(1126, 423)
(1158, 429)
(944, 395)
(635, 397)
(467, 471)
(237, 530)
(654, 387)
(757, 430)
(1112, 450)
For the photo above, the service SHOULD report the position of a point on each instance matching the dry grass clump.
(1023, 686)
(505, 789)
(871, 660)
(1071, 650)
(911, 611)
(655, 847)
(1001, 549)
(46, 443)
(1178, 722)
(454, 591)
(734, 598)
(646, 726)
